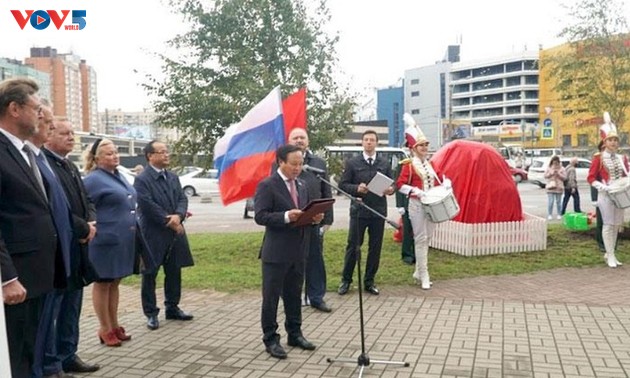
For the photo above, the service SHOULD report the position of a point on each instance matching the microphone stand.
(364, 359)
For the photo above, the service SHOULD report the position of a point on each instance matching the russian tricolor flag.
(245, 154)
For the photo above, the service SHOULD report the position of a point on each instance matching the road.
(214, 217)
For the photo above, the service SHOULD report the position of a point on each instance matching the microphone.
(317, 171)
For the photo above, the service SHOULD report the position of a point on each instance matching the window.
(415, 111)
(582, 140)
(531, 79)
(513, 96)
(461, 88)
(513, 67)
(489, 84)
(415, 93)
(566, 140)
(415, 81)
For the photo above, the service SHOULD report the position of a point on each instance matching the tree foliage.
(594, 73)
(237, 51)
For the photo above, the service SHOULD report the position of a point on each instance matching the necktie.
(369, 160)
(34, 169)
(293, 192)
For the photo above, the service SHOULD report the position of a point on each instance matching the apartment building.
(73, 85)
(14, 68)
(497, 96)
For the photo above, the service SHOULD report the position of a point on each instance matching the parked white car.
(536, 173)
(200, 181)
(127, 173)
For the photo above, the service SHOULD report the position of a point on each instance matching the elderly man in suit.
(315, 273)
(162, 205)
(278, 201)
(28, 239)
(61, 353)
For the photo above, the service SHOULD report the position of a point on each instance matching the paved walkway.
(560, 323)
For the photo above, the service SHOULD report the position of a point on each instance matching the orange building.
(73, 86)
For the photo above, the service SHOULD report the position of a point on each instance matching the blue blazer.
(283, 242)
(157, 198)
(113, 249)
(60, 211)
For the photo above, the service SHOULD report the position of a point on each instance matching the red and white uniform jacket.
(606, 168)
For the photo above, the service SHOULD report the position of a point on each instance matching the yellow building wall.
(566, 118)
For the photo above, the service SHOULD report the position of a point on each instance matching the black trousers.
(408, 249)
(375, 228)
(576, 200)
(22, 321)
(281, 280)
(172, 288)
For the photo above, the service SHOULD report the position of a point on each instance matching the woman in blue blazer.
(113, 249)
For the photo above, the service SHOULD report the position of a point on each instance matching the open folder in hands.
(379, 184)
(313, 208)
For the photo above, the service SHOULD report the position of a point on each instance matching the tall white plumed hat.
(413, 134)
(608, 129)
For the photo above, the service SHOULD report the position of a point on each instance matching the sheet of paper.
(379, 184)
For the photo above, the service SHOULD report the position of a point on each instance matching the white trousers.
(422, 232)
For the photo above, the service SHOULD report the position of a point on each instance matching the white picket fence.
(481, 239)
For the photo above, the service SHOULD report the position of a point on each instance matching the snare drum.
(620, 193)
(440, 204)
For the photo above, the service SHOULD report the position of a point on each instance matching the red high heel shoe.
(121, 335)
(109, 338)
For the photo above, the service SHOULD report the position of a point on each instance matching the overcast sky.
(379, 39)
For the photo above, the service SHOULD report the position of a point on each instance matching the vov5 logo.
(40, 19)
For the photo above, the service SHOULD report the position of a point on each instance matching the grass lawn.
(229, 262)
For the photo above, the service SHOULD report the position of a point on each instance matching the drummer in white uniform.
(609, 170)
(417, 176)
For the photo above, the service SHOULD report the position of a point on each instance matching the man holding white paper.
(359, 171)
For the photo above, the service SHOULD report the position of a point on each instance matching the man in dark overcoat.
(162, 206)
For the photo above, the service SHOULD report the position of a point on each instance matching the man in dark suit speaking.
(278, 201)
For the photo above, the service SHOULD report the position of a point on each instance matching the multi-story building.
(139, 125)
(426, 96)
(498, 96)
(14, 68)
(391, 107)
(73, 85)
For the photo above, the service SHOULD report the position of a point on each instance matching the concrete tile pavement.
(559, 323)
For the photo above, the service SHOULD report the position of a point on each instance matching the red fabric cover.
(483, 185)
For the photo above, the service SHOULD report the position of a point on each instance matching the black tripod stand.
(363, 360)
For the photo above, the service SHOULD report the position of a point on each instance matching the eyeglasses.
(161, 152)
(37, 108)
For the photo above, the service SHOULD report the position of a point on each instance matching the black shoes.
(78, 366)
(277, 351)
(372, 289)
(323, 307)
(301, 342)
(152, 322)
(178, 314)
(343, 288)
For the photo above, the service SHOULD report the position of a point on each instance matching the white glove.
(417, 191)
(401, 210)
(601, 186)
(446, 183)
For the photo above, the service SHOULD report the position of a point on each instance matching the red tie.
(294, 193)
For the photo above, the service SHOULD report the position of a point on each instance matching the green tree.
(237, 51)
(594, 73)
